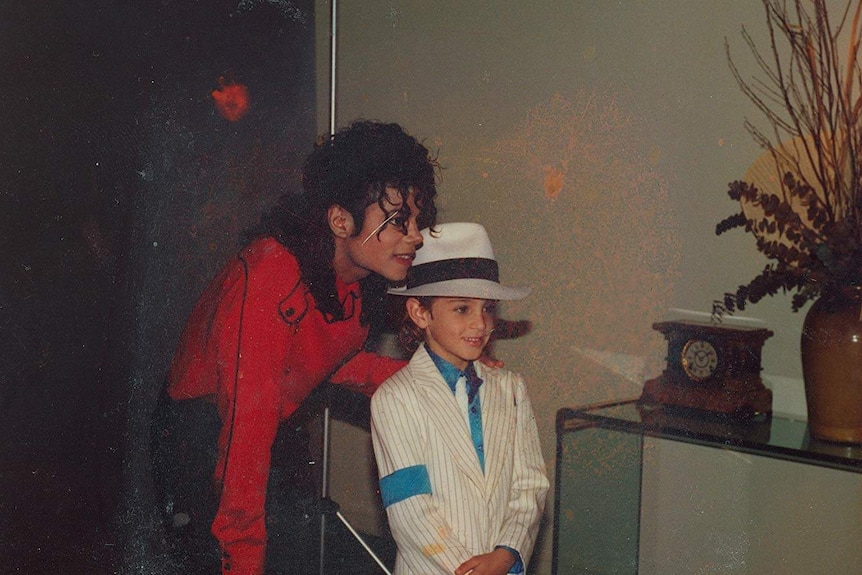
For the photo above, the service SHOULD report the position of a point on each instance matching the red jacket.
(257, 345)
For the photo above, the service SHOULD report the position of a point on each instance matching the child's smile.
(458, 329)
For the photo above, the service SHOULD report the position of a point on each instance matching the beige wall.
(595, 141)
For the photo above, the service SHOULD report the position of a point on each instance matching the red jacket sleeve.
(366, 371)
(252, 356)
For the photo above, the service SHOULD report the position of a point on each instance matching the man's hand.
(497, 562)
(490, 361)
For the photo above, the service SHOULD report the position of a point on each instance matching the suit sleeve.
(425, 540)
(530, 483)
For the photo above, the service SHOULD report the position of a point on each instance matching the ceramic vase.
(832, 365)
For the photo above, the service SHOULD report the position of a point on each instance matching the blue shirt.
(451, 375)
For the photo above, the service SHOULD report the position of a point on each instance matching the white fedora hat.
(457, 260)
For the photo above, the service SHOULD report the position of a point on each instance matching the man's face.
(386, 244)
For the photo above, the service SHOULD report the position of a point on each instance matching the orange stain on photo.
(554, 178)
(432, 550)
(231, 100)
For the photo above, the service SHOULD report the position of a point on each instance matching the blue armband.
(404, 483)
(518, 566)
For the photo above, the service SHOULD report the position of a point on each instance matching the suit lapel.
(495, 425)
(445, 415)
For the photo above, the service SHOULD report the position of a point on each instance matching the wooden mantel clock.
(711, 367)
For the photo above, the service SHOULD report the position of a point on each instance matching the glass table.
(648, 489)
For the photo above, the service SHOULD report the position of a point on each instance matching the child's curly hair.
(352, 168)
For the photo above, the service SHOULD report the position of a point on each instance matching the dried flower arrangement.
(807, 214)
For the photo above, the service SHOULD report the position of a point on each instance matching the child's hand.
(497, 562)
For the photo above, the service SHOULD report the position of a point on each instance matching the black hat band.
(453, 269)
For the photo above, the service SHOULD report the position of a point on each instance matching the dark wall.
(122, 190)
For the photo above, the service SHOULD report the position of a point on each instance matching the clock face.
(699, 359)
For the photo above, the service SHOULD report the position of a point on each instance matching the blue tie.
(473, 382)
(474, 409)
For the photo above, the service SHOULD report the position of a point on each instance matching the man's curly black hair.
(352, 169)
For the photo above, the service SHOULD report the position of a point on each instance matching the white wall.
(595, 141)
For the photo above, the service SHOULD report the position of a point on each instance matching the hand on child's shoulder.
(491, 361)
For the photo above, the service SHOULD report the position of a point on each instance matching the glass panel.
(598, 500)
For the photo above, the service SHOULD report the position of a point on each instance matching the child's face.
(456, 329)
(381, 246)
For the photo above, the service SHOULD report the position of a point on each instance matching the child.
(461, 471)
(293, 309)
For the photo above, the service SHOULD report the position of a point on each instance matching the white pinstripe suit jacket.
(415, 421)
